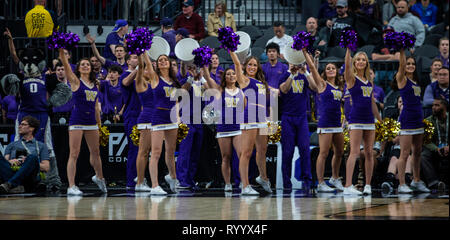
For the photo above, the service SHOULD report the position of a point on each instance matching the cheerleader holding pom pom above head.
(84, 120)
(361, 122)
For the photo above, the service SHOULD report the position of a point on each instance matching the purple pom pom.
(59, 40)
(349, 39)
(202, 56)
(395, 41)
(303, 40)
(139, 41)
(228, 38)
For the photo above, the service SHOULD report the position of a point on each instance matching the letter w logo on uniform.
(367, 91)
(90, 95)
(297, 86)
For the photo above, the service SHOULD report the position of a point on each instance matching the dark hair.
(444, 67)
(115, 68)
(172, 74)
(443, 101)
(259, 73)
(92, 78)
(394, 84)
(124, 48)
(33, 122)
(278, 24)
(337, 81)
(272, 45)
(437, 60)
(223, 81)
(58, 64)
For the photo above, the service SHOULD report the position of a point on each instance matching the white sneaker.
(100, 183)
(351, 191)
(404, 189)
(264, 184)
(323, 187)
(336, 183)
(74, 190)
(172, 183)
(228, 188)
(249, 191)
(367, 190)
(143, 187)
(419, 186)
(158, 191)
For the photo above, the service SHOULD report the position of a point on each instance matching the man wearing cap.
(181, 34)
(191, 21)
(116, 37)
(342, 21)
(169, 34)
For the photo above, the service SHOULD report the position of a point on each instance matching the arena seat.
(253, 31)
(432, 39)
(368, 49)
(298, 29)
(262, 41)
(336, 52)
(210, 41)
(426, 50)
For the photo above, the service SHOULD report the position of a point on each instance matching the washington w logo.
(367, 91)
(90, 95)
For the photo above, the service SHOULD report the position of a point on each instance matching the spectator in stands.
(274, 71)
(378, 93)
(119, 54)
(174, 65)
(40, 22)
(443, 49)
(438, 89)
(406, 22)
(435, 66)
(371, 9)
(181, 34)
(389, 10)
(435, 154)
(64, 110)
(280, 37)
(342, 21)
(220, 18)
(112, 93)
(115, 38)
(28, 153)
(327, 12)
(320, 44)
(100, 72)
(427, 12)
(215, 70)
(191, 21)
(10, 107)
(169, 34)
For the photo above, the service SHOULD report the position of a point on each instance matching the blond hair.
(366, 70)
(370, 2)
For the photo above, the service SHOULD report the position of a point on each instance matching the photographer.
(434, 162)
(28, 155)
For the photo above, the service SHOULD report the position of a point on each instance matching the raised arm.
(149, 71)
(240, 77)
(71, 77)
(210, 82)
(130, 78)
(141, 85)
(286, 86)
(348, 73)
(400, 76)
(12, 48)
(318, 80)
(91, 40)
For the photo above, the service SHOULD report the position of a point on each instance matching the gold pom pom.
(386, 130)
(183, 130)
(346, 140)
(274, 131)
(135, 133)
(104, 135)
(428, 131)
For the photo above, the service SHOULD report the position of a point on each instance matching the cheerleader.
(84, 121)
(164, 119)
(411, 124)
(361, 119)
(252, 82)
(230, 102)
(329, 126)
